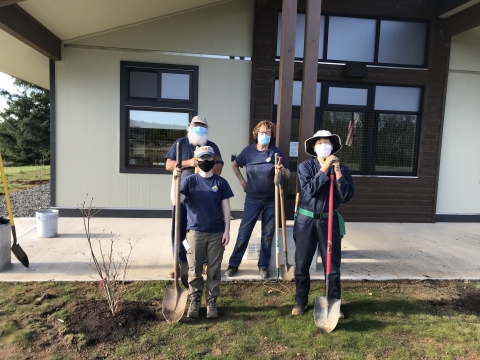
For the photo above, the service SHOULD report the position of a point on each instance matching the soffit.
(73, 19)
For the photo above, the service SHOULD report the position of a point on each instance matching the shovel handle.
(7, 195)
(277, 245)
(177, 215)
(330, 223)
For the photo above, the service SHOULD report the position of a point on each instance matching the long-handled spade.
(277, 180)
(175, 299)
(287, 271)
(16, 249)
(326, 310)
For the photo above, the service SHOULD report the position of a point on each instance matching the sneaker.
(299, 309)
(194, 308)
(231, 270)
(212, 311)
(263, 273)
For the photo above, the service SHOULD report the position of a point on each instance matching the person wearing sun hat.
(208, 222)
(311, 223)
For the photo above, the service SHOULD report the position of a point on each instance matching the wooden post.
(285, 82)
(310, 72)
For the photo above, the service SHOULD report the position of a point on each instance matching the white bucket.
(47, 223)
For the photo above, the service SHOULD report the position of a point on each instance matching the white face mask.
(323, 150)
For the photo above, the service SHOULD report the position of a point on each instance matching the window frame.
(375, 62)
(128, 103)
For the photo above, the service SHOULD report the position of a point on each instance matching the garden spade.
(277, 181)
(287, 271)
(327, 310)
(16, 249)
(175, 299)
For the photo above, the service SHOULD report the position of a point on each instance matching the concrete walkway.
(373, 251)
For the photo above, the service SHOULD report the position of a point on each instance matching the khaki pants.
(201, 244)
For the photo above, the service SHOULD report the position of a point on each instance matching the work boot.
(212, 312)
(205, 267)
(194, 308)
(263, 273)
(299, 309)
(231, 270)
(171, 274)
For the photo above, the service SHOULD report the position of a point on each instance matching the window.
(372, 41)
(157, 103)
(379, 125)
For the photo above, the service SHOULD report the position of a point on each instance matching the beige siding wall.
(459, 179)
(88, 104)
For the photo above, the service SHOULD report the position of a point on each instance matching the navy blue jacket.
(315, 186)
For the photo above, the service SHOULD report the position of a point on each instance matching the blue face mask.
(264, 139)
(198, 130)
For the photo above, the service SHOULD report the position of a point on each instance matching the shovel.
(175, 299)
(287, 271)
(16, 249)
(326, 310)
(277, 180)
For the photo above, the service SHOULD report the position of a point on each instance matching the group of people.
(205, 209)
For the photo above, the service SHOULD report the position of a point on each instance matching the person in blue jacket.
(259, 159)
(208, 221)
(311, 224)
(197, 135)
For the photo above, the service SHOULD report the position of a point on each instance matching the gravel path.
(25, 203)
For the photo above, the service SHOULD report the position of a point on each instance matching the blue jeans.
(252, 209)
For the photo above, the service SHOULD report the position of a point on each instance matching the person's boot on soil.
(212, 311)
(194, 308)
(299, 309)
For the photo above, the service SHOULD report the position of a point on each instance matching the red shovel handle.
(330, 223)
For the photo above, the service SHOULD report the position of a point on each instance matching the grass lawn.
(24, 177)
(383, 320)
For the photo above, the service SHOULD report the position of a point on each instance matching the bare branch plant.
(112, 272)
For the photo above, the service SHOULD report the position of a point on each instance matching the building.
(125, 78)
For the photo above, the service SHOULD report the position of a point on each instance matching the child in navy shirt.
(208, 222)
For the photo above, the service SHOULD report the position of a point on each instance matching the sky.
(6, 83)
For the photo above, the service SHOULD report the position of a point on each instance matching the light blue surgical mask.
(264, 139)
(198, 130)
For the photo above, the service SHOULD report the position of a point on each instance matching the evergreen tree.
(25, 125)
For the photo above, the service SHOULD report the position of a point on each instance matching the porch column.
(309, 79)
(285, 82)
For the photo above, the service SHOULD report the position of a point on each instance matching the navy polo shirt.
(260, 169)
(204, 202)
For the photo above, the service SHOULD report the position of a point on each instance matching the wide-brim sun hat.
(334, 139)
(204, 150)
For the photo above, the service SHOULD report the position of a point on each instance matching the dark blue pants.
(309, 233)
(252, 209)
(182, 254)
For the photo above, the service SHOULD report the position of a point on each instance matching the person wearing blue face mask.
(259, 159)
(197, 136)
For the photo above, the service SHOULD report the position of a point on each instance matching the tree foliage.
(25, 125)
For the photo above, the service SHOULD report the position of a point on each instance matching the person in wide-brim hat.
(334, 139)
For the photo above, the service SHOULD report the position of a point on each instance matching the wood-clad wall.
(385, 199)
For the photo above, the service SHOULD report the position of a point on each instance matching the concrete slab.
(374, 251)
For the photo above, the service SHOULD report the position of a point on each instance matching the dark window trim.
(127, 103)
(377, 40)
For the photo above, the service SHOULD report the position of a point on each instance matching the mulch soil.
(94, 319)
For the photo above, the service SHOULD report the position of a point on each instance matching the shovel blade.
(184, 274)
(174, 303)
(326, 312)
(20, 255)
(287, 272)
